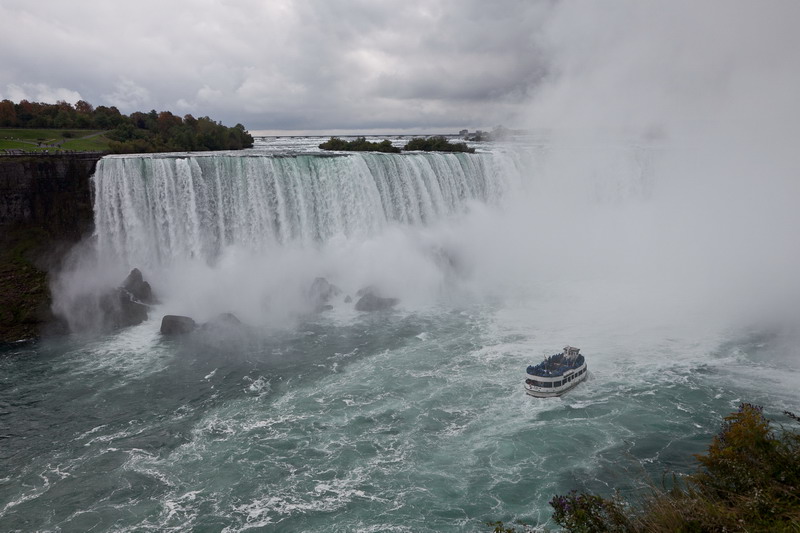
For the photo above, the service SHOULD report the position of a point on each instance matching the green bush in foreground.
(749, 480)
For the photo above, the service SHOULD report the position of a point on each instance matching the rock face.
(128, 304)
(224, 323)
(371, 301)
(177, 325)
(138, 287)
(366, 290)
(45, 208)
(122, 310)
(225, 331)
(51, 192)
(320, 293)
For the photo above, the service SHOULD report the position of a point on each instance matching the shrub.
(436, 144)
(359, 144)
(751, 471)
(749, 480)
(586, 513)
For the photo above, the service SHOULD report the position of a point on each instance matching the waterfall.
(153, 210)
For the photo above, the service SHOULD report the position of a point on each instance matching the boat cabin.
(570, 352)
(556, 374)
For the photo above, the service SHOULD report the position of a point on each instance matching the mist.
(662, 190)
(671, 174)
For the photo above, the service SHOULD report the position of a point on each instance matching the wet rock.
(120, 309)
(224, 322)
(226, 331)
(369, 289)
(132, 311)
(128, 304)
(370, 300)
(138, 287)
(321, 292)
(177, 325)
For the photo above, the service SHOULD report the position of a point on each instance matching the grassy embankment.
(50, 140)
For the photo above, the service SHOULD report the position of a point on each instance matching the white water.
(153, 211)
(674, 266)
(415, 419)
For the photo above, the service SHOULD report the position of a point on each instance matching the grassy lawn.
(38, 140)
(93, 144)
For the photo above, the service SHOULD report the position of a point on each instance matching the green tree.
(8, 114)
(140, 132)
(83, 107)
(359, 144)
(749, 480)
(436, 143)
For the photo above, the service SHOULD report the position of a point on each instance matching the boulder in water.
(224, 323)
(320, 293)
(366, 290)
(370, 300)
(120, 309)
(177, 325)
(128, 304)
(226, 331)
(138, 287)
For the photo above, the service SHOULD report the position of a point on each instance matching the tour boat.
(556, 374)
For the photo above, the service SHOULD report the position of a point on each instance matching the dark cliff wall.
(45, 207)
(52, 193)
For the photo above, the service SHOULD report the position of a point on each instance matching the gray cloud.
(363, 64)
(281, 64)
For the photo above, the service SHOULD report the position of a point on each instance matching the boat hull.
(552, 392)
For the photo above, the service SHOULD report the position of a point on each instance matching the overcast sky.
(419, 65)
(279, 64)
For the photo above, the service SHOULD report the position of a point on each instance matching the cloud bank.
(351, 64)
(365, 65)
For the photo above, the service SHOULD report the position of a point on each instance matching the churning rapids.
(413, 419)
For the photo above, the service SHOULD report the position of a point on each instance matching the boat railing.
(552, 367)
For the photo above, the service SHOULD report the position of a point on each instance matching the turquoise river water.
(413, 419)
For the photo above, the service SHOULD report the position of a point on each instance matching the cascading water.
(153, 210)
(413, 419)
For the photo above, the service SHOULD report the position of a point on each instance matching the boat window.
(547, 384)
